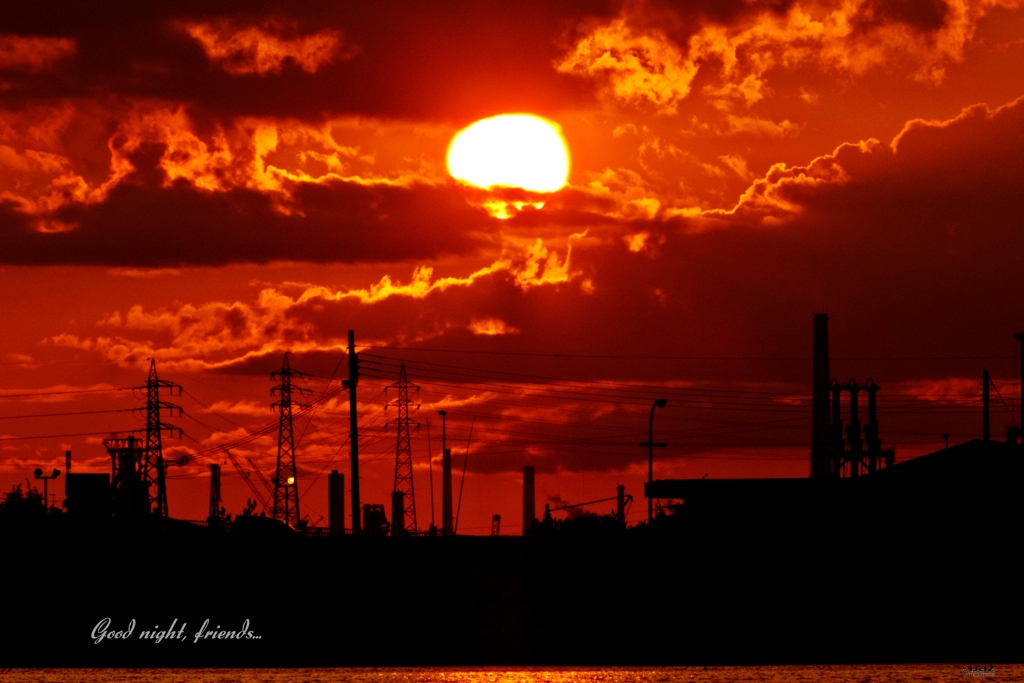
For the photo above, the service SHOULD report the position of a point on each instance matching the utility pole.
(151, 464)
(286, 482)
(403, 459)
(353, 426)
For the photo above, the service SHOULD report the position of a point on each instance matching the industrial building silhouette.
(865, 560)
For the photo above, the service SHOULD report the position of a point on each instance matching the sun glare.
(511, 150)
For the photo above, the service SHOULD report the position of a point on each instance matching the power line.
(59, 393)
(659, 357)
(61, 436)
(748, 398)
(630, 387)
(81, 412)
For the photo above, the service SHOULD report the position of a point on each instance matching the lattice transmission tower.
(286, 479)
(403, 453)
(137, 468)
(152, 461)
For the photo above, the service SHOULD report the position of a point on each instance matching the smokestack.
(446, 493)
(820, 458)
(620, 500)
(214, 510)
(336, 502)
(397, 513)
(529, 510)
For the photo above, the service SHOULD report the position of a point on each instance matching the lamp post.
(658, 403)
(46, 484)
(946, 438)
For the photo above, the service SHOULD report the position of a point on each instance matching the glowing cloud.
(491, 327)
(639, 67)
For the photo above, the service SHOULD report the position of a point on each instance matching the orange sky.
(215, 184)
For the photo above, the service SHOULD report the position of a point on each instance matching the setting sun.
(511, 150)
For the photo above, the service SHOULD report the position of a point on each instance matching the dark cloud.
(680, 17)
(923, 15)
(143, 223)
(454, 61)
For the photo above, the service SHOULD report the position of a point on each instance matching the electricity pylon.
(151, 467)
(286, 480)
(403, 453)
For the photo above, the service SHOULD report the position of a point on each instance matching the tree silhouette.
(23, 504)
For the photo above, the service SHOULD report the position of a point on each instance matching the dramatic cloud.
(848, 226)
(222, 334)
(641, 63)
(264, 49)
(261, 190)
(640, 68)
(213, 185)
(440, 61)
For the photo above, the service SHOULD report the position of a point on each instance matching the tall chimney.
(529, 510)
(821, 463)
(214, 510)
(336, 502)
(446, 493)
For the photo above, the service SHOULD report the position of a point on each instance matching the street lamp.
(946, 437)
(46, 484)
(658, 403)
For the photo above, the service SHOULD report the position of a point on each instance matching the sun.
(511, 150)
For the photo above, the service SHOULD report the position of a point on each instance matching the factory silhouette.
(865, 560)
